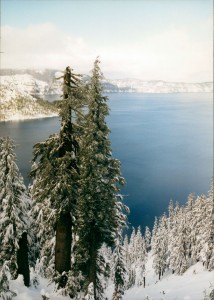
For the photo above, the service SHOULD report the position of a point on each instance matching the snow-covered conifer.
(14, 209)
(100, 180)
(154, 231)
(160, 247)
(90, 293)
(171, 214)
(140, 258)
(190, 230)
(56, 174)
(205, 233)
(147, 237)
(5, 292)
(119, 267)
(178, 257)
(131, 271)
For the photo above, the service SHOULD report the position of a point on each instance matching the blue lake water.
(164, 143)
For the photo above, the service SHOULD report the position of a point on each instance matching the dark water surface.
(164, 143)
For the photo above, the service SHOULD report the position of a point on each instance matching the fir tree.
(5, 292)
(160, 247)
(140, 258)
(56, 174)
(131, 260)
(147, 238)
(154, 232)
(191, 237)
(178, 257)
(119, 268)
(14, 209)
(97, 215)
(204, 238)
(171, 215)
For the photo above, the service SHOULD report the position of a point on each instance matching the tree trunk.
(22, 259)
(144, 282)
(63, 246)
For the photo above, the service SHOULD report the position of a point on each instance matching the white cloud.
(42, 46)
(173, 55)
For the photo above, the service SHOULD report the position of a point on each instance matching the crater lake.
(164, 143)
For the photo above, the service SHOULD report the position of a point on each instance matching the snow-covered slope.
(26, 83)
(17, 102)
(195, 284)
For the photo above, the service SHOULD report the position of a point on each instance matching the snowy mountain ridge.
(29, 85)
(158, 86)
(45, 83)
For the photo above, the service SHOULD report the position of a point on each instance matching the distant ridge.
(43, 82)
(156, 86)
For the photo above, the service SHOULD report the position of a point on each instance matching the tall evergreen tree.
(131, 260)
(14, 209)
(56, 174)
(203, 211)
(119, 267)
(160, 247)
(97, 214)
(178, 243)
(140, 258)
(190, 230)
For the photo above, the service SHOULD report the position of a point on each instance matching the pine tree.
(131, 260)
(204, 238)
(191, 237)
(119, 267)
(147, 238)
(55, 187)
(5, 292)
(210, 223)
(97, 216)
(178, 257)
(14, 209)
(171, 215)
(199, 220)
(140, 258)
(126, 248)
(154, 232)
(160, 247)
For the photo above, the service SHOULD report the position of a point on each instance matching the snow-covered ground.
(190, 286)
(194, 284)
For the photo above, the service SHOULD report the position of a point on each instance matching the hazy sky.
(170, 40)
